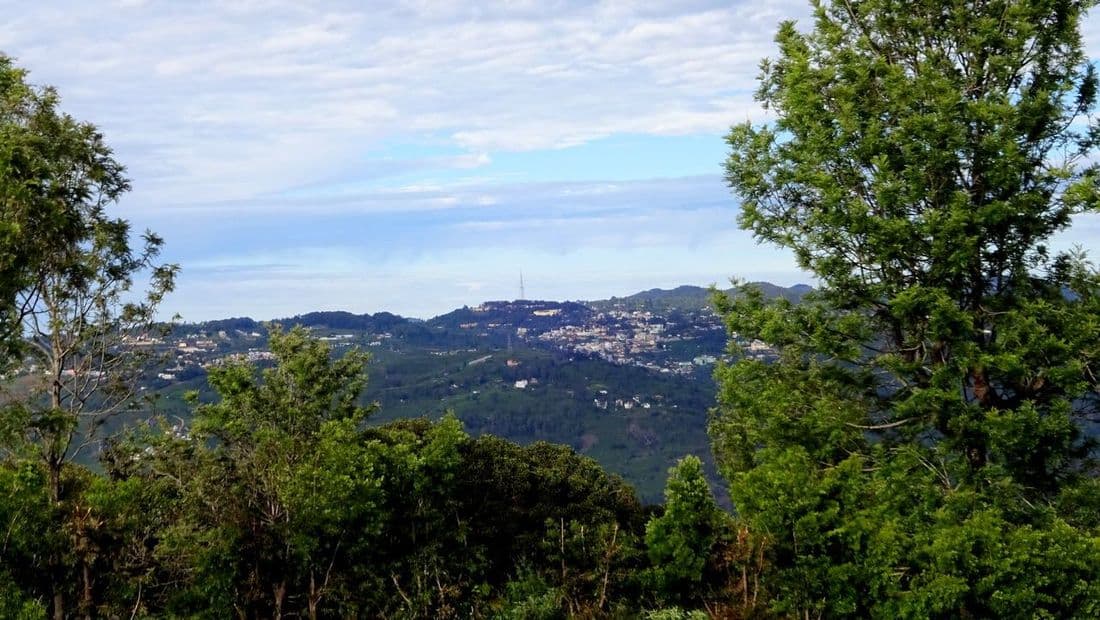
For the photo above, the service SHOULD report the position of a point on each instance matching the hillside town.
(650, 340)
(678, 342)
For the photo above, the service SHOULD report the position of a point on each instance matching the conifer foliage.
(919, 449)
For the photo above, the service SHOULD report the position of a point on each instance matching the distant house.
(521, 384)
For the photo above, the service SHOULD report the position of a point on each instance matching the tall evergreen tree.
(917, 448)
(682, 539)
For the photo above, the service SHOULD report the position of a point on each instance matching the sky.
(418, 156)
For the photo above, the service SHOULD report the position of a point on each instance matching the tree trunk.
(314, 597)
(55, 565)
(607, 567)
(54, 463)
(88, 601)
(745, 585)
(280, 595)
(58, 604)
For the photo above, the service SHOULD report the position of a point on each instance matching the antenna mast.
(522, 293)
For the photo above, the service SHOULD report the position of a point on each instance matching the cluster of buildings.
(187, 353)
(615, 336)
(624, 337)
(605, 402)
(641, 338)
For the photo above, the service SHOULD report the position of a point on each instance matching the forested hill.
(689, 297)
(625, 380)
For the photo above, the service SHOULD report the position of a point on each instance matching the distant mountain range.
(682, 298)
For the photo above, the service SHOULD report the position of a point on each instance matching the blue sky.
(417, 156)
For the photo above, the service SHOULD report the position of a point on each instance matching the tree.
(512, 491)
(29, 220)
(66, 274)
(922, 158)
(24, 520)
(424, 565)
(278, 482)
(700, 556)
(682, 540)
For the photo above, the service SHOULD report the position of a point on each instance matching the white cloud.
(210, 100)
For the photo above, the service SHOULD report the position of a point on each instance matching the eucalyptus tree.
(917, 448)
(24, 214)
(68, 314)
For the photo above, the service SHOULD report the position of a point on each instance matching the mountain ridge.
(683, 297)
